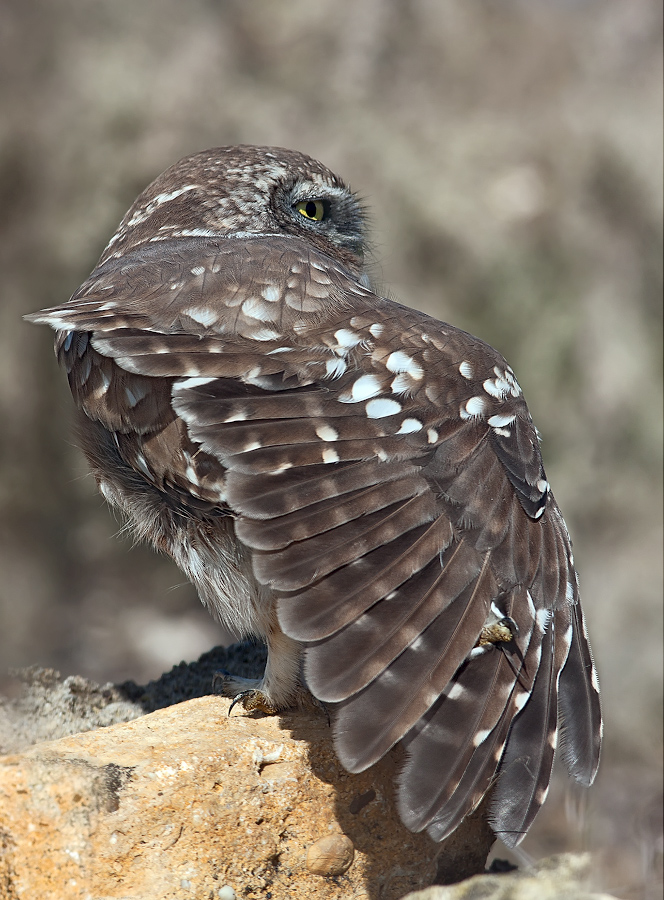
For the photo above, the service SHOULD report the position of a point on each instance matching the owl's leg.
(279, 687)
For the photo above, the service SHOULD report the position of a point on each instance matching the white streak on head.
(381, 407)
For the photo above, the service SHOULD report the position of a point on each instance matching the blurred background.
(510, 153)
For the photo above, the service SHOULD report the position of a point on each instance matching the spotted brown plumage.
(357, 483)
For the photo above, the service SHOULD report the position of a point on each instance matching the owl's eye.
(312, 209)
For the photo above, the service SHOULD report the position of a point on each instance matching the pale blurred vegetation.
(510, 154)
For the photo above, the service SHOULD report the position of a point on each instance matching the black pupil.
(310, 209)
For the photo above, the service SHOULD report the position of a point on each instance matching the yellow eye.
(311, 209)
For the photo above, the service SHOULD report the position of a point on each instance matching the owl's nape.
(351, 480)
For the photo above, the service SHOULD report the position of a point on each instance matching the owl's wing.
(385, 472)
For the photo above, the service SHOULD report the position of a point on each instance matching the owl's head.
(240, 191)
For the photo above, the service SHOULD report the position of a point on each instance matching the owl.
(355, 482)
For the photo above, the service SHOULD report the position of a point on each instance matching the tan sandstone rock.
(563, 877)
(188, 802)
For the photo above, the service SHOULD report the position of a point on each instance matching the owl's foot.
(249, 692)
(502, 632)
(254, 700)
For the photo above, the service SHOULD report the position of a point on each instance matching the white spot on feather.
(376, 329)
(335, 367)
(330, 455)
(408, 426)
(256, 309)
(198, 270)
(497, 388)
(481, 736)
(466, 369)
(401, 362)
(327, 433)
(378, 409)
(456, 692)
(271, 293)
(500, 421)
(473, 408)
(363, 388)
(191, 383)
(542, 485)
(521, 699)
(347, 339)
(265, 334)
(203, 315)
(401, 383)
(432, 436)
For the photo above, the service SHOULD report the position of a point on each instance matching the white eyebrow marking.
(378, 409)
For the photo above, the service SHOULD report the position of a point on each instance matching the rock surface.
(153, 792)
(563, 877)
(187, 802)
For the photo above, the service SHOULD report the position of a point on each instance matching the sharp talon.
(235, 700)
(509, 622)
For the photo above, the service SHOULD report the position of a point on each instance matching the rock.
(562, 877)
(189, 802)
